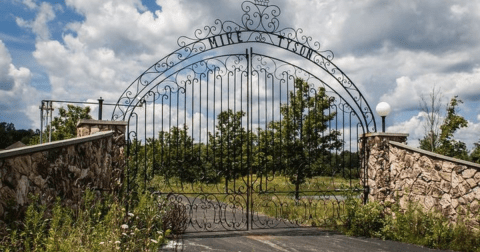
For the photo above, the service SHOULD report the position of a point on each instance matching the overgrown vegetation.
(99, 224)
(413, 225)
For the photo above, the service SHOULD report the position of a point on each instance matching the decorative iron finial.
(262, 2)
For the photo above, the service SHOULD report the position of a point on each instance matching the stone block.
(447, 166)
(468, 173)
(22, 164)
(455, 203)
(426, 163)
(456, 179)
(459, 168)
(434, 191)
(447, 176)
(471, 182)
(429, 202)
(409, 161)
(21, 191)
(474, 206)
(419, 187)
(445, 186)
(445, 201)
(469, 197)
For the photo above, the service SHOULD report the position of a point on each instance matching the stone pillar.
(377, 176)
(87, 127)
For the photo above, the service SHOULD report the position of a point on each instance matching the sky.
(394, 51)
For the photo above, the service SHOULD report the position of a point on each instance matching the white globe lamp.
(383, 109)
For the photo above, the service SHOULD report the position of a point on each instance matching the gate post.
(375, 162)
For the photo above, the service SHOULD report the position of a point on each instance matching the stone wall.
(402, 174)
(62, 169)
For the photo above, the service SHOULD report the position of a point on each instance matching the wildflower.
(154, 241)
(124, 234)
(131, 214)
(160, 232)
(117, 242)
(101, 243)
(124, 226)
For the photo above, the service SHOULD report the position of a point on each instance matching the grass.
(320, 202)
(412, 225)
(100, 224)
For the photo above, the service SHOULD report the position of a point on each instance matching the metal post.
(41, 123)
(383, 124)
(249, 189)
(51, 114)
(100, 104)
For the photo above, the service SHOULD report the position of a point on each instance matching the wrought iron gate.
(245, 140)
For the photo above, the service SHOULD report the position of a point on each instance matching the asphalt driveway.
(291, 239)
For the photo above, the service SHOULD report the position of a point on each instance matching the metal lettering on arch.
(246, 139)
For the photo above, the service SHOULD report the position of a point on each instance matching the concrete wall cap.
(381, 134)
(97, 122)
(433, 154)
(53, 145)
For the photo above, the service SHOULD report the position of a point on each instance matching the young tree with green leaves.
(227, 145)
(447, 145)
(306, 140)
(64, 126)
(475, 155)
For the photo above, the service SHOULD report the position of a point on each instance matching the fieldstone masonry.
(399, 173)
(62, 169)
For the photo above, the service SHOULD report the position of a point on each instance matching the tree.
(475, 155)
(65, 125)
(9, 135)
(431, 106)
(306, 146)
(449, 146)
(227, 145)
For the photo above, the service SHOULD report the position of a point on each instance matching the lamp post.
(383, 109)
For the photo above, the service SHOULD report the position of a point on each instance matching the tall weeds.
(413, 225)
(99, 224)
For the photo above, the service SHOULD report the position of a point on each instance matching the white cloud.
(18, 101)
(413, 127)
(31, 4)
(394, 56)
(6, 81)
(469, 135)
(39, 25)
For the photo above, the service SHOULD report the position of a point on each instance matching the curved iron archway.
(221, 147)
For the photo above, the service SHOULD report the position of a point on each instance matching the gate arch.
(221, 148)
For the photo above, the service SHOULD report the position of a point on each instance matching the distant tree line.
(9, 135)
